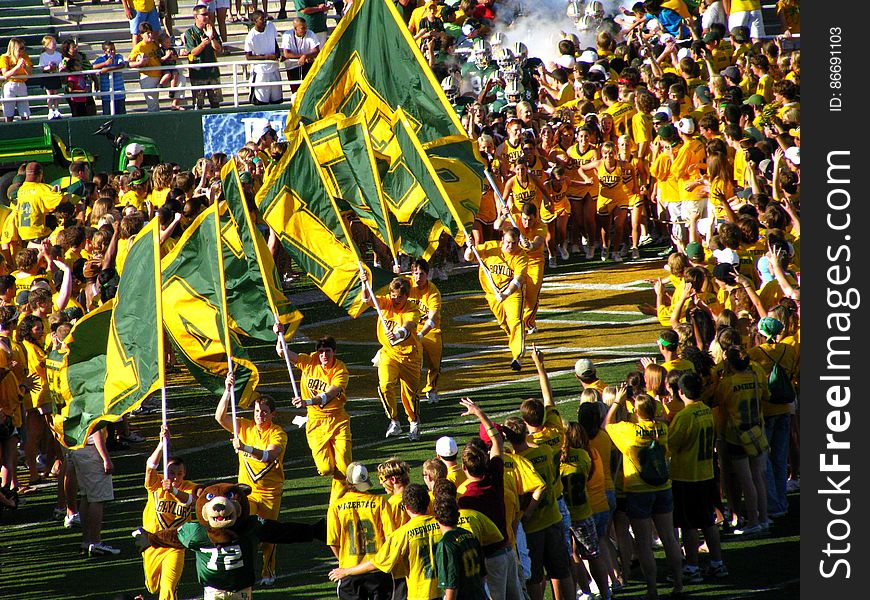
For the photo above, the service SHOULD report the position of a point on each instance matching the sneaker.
(616, 257)
(581, 595)
(563, 252)
(718, 571)
(603, 254)
(41, 465)
(793, 485)
(635, 253)
(750, 531)
(692, 575)
(73, 519)
(432, 397)
(101, 549)
(531, 330)
(575, 249)
(394, 429)
(623, 250)
(414, 432)
(645, 240)
(515, 365)
(552, 262)
(590, 252)
(266, 581)
(134, 438)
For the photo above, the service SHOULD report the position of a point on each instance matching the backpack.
(653, 466)
(779, 383)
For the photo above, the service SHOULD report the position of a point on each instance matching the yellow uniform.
(574, 473)
(35, 201)
(558, 204)
(551, 435)
(622, 112)
(740, 397)
(522, 193)
(615, 187)
(642, 128)
(36, 366)
(163, 566)
(720, 191)
(510, 154)
(399, 365)
(763, 89)
(10, 399)
(24, 280)
(358, 523)
(488, 211)
(265, 479)
(595, 487)
(505, 268)
(666, 185)
(685, 168)
(604, 446)
(413, 544)
(427, 299)
(577, 189)
(456, 475)
(690, 441)
(534, 272)
(328, 427)
(629, 438)
(765, 355)
(158, 197)
(547, 466)
(520, 482)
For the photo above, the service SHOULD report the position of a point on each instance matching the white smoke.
(542, 24)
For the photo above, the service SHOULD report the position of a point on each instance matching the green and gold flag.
(295, 202)
(254, 296)
(193, 316)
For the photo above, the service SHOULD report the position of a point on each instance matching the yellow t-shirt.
(622, 113)
(135, 199)
(629, 438)
(574, 473)
(358, 523)
(765, 88)
(316, 380)
(547, 513)
(427, 299)
(522, 193)
(165, 511)
(552, 435)
(142, 5)
(765, 355)
(7, 62)
(685, 168)
(665, 182)
(36, 366)
(409, 348)
(690, 442)
(740, 399)
(263, 477)
(413, 544)
(504, 268)
(641, 128)
(35, 201)
(158, 197)
(151, 52)
(530, 233)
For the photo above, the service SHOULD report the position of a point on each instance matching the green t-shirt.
(193, 37)
(228, 567)
(316, 21)
(460, 565)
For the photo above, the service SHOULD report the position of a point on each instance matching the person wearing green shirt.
(203, 45)
(458, 556)
(314, 13)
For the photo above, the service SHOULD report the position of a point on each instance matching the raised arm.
(491, 430)
(543, 378)
(221, 415)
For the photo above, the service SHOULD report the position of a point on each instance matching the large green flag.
(254, 296)
(134, 354)
(193, 316)
(295, 202)
(342, 147)
(76, 378)
(371, 64)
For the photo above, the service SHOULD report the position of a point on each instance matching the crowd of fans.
(673, 131)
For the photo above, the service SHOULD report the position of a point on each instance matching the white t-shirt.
(298, 45)
(715, 13)
(46, 59)
(264, 42)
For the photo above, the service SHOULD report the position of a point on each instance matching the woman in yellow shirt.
(523, 187)
(555, 214)
(16, 67)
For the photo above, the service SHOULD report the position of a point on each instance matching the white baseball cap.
(358, 476)
(133, 149)
(726, 255)
(686, 125)
(446, 446)
(588, 56)
(566, 61)
(259, 130)
(583, 366)
(793, 154)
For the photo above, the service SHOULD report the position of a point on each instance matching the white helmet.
(510, 72)
(497, 39)
(587, 22)
(450, 87)
(504, 58)
(521, 52)
(575, 10)
(482, 53)
(514, 91)
(595, 9)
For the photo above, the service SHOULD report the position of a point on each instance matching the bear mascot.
(224, 538)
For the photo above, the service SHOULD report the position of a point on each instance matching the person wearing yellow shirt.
(556, 212)
(357, 525)
(323, 394)
(583, 196)
(35, 201)
(647, 503)
(427, 298)
(691, 436)
(146, 53)
(532, 237)
(413, 544)
(507, 265)
(15, 68)
(523, 187)
(37, 404)
(760, 67)
(400, 358)
(260, 444)
(161, 184)
(171, 503)
(622, 112)
(686, 169)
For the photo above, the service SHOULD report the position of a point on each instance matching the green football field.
(587, 310)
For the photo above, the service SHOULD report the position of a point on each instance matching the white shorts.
(749, 18)
(689, 208)
(95, 484)
(12, 90)
(216, 4)
(266, 94)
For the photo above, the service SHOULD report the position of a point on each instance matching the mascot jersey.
(228, 566)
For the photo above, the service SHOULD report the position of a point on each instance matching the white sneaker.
(432, 397)
(563, 252)
(266, 581)
(603, 254)
(552, 263)
(645, 240)
(394, 429)
(101, 549)
(73, 519)
(635, 253)
(414, 432)
(531, 330)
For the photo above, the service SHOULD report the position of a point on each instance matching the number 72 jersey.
(228, 567)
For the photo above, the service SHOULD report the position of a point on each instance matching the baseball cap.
(588, 56)
(598, 69)
(766, 169)
(446, 446)
(755, 100)
(770, 327)
(358, 476)
(583, 367)
(22, 297)
(711, 36)
(683, 53)
(725, 272)
(259, 130)
(133, 149)
(703, 94)
(793, 153)
(731, 72)
(686, 125)
(695, 251)
(726, 255)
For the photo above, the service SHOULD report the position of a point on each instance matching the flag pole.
(374, 300)
(502, 202)
(284, 351)
(225, 315)
(161, 350)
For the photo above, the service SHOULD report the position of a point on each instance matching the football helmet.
(481, 53)
(450, 87)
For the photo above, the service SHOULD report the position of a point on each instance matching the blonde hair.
(48, 38)
(590, 395)
(608, 396)
(13, 45)
(102, 207)
(161, 176)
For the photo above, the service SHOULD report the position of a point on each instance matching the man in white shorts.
(93, 467)
(261, 43)
(747, 13)
(300, 47)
